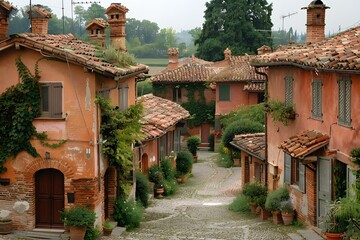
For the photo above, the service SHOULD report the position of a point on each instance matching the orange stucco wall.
(79, 126)
(238, 98)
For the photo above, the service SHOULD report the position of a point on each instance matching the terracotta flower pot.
(287, 217)
(5, 227)
(159, 192)
(277, 219)
(107, 231)
(334, 236)
(77, 233)
(264, 214)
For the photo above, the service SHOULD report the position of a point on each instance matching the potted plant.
(159, 188)
(78, 218)
(5, 222)
(335, 225)
(183, 164)
(287, 212)
(256, 194)
(107, 228)
(280, 112)
(273, 201)
(193, 143)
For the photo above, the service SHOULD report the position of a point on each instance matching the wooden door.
(49, 198)
(323, 189)
(205, 134)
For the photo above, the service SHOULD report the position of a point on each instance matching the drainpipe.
(266, 125)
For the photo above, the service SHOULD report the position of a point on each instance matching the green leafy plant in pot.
(193, 143)
(273, 203)
(184, 163)
(107, 228)
(335, 225)
(78, 218)
(256, 194)
(287, 212)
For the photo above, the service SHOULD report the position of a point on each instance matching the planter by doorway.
(5, 227)
(264, 214)
(77, 233)
(334, 236)
(277, 219)
(287, 217)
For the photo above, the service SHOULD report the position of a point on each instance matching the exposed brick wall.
(315, 30)
(39, 25)
(86, 192)
(4, 25)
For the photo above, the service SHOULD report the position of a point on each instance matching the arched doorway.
(49, 198)
(144, 163)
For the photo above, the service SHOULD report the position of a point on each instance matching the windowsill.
(296, 188)
(317, 119)
(49, 118)
(344, 125)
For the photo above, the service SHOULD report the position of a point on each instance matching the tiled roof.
(159, 115)
(116, 6)
(303, 144)
(341, 52)
(98, 21)
(238, 71)
(187, 73)
(255, 87)
(40, 11)
(253, 144)
(8, 6)
(67, 47)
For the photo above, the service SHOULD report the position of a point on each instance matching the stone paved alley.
(199, 210)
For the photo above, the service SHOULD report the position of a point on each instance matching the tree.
(241, 25)
(144, 30)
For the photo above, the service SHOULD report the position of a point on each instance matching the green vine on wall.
(120, 129)
(199, 110)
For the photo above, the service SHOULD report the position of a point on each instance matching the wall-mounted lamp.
(47, 155)
(88, 151)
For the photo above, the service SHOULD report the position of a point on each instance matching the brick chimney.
(96, 31)
(264, 49)
(227, 54)
(315, 24)
(117, 19)
(5, 9)
(39, 19)
(173, 54)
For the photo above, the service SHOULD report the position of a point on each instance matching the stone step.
(310, 234)
(41, 235)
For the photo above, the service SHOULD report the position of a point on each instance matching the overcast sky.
(188, 14)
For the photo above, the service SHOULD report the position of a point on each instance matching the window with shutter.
(224, 92)
(302, 181)
(177, 140)
(177, 94)
(51, 100)
(289, 90)
(344, 114)
(123, 97)
(317, 99)
(287, 167)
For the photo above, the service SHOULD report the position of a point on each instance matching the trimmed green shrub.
(253, 112)
(92, 233)
(224, 160)
(240, 127)
(167, 170)
(192, 144)
(142, 189)
(155, 174)
(78, 216)
(255, 192)
(240, 204)
(274, 199)
(128, 214)
(170, 187)
(184, 162)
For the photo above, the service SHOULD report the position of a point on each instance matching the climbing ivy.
(199, 110)
(120, 129)
(19, 105)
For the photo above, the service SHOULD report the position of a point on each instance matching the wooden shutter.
(302, 177)
(224, 92)
(217, 124)
(350, 181)
(287, 169)
(317, 99)
(55, 100)
(176, 137)
(124, 97)
(344, 115)
(289, 90)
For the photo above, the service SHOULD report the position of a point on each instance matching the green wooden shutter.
(123, 97)
(55, 97)
(289, 90)
(224, 92)
(317, 99)
(287, 169)
(302, 177)
(344, 114)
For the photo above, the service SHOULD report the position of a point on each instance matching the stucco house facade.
(321, 80)
(75, 172)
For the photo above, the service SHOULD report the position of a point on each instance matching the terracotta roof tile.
(159, 115)
(39, 11)
(303, 144)
(340, 52)
(192, 72)
(253, 144)
(8, 6)
(69, 48)
(98, 21)
(255, 87)
(116, 6)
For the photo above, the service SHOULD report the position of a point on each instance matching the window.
(294, 172)
(177, 94)
(123, 97)
(344, 115)
(316, 99)
(224, 92)
(289, 90)
(51, 100)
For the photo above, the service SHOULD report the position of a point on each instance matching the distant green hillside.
(154, 62)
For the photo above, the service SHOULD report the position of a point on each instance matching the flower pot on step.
(287, 217)
(77, 233)
(277, 219)
(334, 236)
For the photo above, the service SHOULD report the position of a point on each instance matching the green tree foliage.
(241, 126)
(145, 31)
(234, 24)
(252, 112)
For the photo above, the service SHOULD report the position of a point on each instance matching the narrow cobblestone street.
(199, 210)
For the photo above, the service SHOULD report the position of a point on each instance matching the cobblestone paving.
(199, 210)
